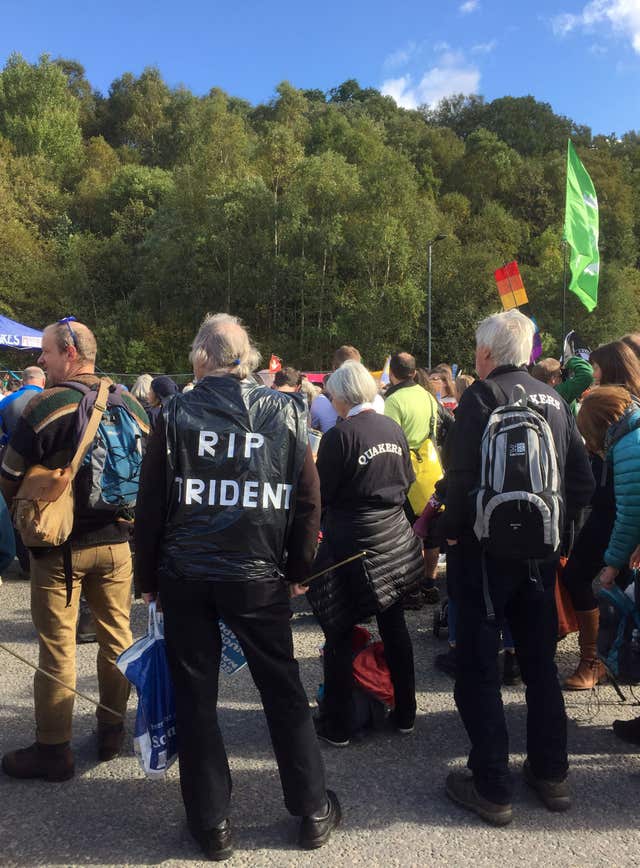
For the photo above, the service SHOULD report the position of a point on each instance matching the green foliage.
(309, 216)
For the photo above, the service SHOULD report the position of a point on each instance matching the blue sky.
(582, 56)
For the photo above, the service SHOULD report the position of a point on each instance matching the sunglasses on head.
(67, 320)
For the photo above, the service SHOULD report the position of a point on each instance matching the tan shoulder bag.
(43, 506)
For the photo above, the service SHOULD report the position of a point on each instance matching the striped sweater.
(46, 434)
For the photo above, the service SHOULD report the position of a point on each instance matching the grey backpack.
(518, 504)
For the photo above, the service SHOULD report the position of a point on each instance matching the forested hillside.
(308, 216)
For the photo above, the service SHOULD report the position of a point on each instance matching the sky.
(581, 56)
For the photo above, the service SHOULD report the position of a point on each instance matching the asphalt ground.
(391, 787)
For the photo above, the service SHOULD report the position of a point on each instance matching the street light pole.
(439, 237)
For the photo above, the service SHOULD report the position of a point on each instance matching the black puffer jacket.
(365, 473)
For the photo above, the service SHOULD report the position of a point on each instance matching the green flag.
(581, 231)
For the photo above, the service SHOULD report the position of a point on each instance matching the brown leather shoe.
(110, 741)
(51, 762)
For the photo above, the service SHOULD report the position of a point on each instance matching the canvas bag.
(43, 508)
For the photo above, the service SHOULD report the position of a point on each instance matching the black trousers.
(530, 609)
(258, 612)
(338, 672)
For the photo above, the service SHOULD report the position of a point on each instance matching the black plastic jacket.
(234, 454)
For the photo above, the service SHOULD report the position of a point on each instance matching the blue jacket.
(622, 449)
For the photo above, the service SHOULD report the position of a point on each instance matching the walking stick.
(355, 557)
(61, 683)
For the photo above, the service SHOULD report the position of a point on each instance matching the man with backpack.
(518, 471)
(94, 430)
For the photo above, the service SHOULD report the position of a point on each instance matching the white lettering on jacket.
(545, 399)
(379, 449)
(229, 492)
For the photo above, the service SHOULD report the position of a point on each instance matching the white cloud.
(469, 6)
(484, 47)
(623, 16)
(451, 75)
(400, 58)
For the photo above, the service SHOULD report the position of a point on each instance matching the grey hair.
(508, 336)
(223, 346)
(140, 389)
(352, 383)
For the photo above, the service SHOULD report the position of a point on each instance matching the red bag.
(567, 621)
(371, 673)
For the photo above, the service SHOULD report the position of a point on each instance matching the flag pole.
(564, 296)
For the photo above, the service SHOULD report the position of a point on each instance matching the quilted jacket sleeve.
(626, 482)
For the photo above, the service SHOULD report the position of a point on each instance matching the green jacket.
(414, 409)
(579, 380)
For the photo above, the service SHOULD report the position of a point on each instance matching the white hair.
(352, 383)
(222, 346)
(508, 336)
(140, 389)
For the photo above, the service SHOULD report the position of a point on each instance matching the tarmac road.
(391, 787)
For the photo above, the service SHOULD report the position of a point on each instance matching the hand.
(634, 560)
(297, 590)
(608, 577)
(452, 542)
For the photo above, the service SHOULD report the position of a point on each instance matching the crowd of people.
(522, 477)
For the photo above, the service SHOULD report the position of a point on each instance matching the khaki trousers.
(103, 573)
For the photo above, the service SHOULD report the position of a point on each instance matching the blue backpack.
(107, 482)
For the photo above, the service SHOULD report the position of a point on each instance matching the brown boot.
(110, 741)
(52, 762)
(590, 671)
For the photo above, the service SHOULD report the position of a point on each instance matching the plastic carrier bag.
(144, 664)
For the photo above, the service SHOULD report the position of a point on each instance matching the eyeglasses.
(67, 320)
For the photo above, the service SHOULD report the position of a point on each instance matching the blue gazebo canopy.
(16, 336)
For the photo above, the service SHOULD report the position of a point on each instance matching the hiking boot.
(511, 673)
(316, 829)
(215, 843)
(86, 631)
(51, 762)
(461, 789)
(628, 730)
(447, 663)
(110, 741)
(332, 737)
(554, 795)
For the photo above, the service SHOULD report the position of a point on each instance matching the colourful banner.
(510, 286)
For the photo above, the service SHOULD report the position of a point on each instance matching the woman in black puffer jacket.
(365, 472)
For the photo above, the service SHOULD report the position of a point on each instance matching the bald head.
(68, 349)
(33, 376)
(222, 346)
(402, 366)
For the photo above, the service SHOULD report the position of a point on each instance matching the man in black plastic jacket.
(227, 520)
(503, 348)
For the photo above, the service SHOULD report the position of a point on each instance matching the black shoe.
(413, 601)
(462, 790)
(511, 675)
(404, 727)
(216, 843)
(628, 730)
(431, 596)
(447, 662)
(316, 829)
(332, 737)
